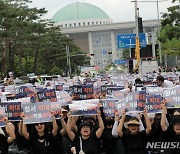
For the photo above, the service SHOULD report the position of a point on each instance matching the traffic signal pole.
(137, 49)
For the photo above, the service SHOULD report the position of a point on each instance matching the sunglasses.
(37, 124)
(131, 125)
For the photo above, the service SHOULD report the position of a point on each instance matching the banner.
(109, 90)
(25, 89)
(41, 95)
(63, 97)
(2, 116)
(15, 96)
(37, 112)
(22, 100)
(108, 107)
(29, 91)
(50, 95)
(118, 94)
(83, 92)
(13, 110)
(172, 97)
(155, 90)
(81, 108)
(135, 101)
(153, 103)
(58, 87)
(56, 107)
(120, 105)
(104, 88)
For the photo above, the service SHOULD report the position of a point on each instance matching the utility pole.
(160, 52)
(68, 60)
(137, 49)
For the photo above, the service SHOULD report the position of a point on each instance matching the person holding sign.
(41, 140)
(88, 142)
(6, 140)
(171, 134)
(134, 141)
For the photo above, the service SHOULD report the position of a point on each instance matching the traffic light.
(140, 25)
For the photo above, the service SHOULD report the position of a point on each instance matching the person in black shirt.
(87, 142)
(6, 140)
(134, 142)
(172, 133)
(41, 140)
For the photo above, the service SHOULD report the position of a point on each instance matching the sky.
(118, 10)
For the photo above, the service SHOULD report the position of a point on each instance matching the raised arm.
(20, 128)
(68, 127)
(163, 117)
(10, 130)
(63, 123)
(101, 125)
(55, 127)
(24, 129)
(114, 129)
(148, 123)
(121, 123)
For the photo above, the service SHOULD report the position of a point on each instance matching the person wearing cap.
(134, 141)
(86, 141)
(172, 133)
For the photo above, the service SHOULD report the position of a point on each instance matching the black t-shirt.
(108, 141)
(3, 144)
(134, 144)
(170, 136)
(89, 146)
(38, 147)
(57, 147)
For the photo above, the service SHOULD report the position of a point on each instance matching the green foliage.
(170, 31)
(30, 44)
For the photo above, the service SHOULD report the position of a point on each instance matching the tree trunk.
(35, 60)
(4, 59)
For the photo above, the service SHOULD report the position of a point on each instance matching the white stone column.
(91, 48)
(114, 51)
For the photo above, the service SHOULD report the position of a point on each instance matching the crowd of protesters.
(97, 134)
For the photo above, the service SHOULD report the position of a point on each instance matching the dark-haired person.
(134, 141)
(161, 82)
(41, 139)
(86, 141)
(5, 140)
(170, 134)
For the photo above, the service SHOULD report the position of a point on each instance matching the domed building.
(80, 14)
(95, 33)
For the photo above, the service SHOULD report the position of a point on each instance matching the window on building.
(70, 25)
(65, 25)
(88, 23)
(75, 24)
(79, 24)
(83, 23)
(97, 22)
(92, 23)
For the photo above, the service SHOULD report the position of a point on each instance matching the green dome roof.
(78, 11)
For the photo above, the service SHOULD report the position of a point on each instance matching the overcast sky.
(118, 10)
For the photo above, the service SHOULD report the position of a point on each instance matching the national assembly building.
(95, 33)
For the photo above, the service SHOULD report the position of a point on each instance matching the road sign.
(121, 61)
(129, 40)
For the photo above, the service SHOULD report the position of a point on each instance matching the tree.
(29, 43)
(170, 31)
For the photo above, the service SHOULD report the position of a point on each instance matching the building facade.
(96, 34)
